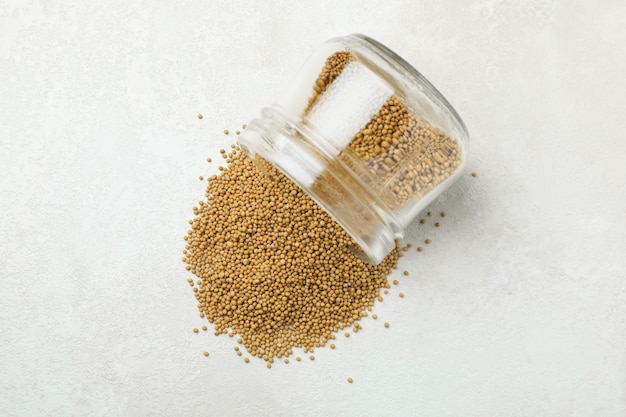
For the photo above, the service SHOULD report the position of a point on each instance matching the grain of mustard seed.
(243, 126)
(236, 348)
(298, 358)
(246, 360)
(395, 282)
(350, 380)
(237, 132)
(204, 327)
(240, 340)
(401, 295)
(386, 324)
(201, 178)
(386, 291)
(209, 160)
(409, 245)
(443, 214)
(226, 131)
(474, 174)
(286, 360)
(437, 224)
(206, 353)
(239, 353)
(379, 298)
(406, 272)
(199, 116)
(332, 345)
(269, 365)
(346, 334)
(419, 249)
(427, 241)
(312, 357)
(374, 316)
(195, 330)
(430, 213)
(422, 221)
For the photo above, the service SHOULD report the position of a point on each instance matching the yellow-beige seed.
(273, 267)
(350, 380)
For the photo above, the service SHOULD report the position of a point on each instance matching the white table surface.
(517, 308)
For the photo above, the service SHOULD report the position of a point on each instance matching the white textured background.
(518, 308)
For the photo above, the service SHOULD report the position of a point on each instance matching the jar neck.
(328, 177)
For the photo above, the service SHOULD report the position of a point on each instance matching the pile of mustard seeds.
(272, 268)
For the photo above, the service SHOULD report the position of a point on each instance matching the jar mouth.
(287, 146)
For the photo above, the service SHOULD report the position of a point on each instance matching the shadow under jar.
(366, 136)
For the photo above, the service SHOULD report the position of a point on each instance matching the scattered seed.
(237, 132)
(246, 360)
(226, 132)
(386, 324)
(209, 160)
(206, 353)
(312, 357)
(350, 380)
(401, 295)
(204, 327)
(243, 126)
(443, 214)
(200, 177)
(437, 224)
(269, 365)
(406, 272)
(423, 221)
(374, 316)
(430, 213)
(199, 116)
(195, 330)
(346, 334)
(386, 291)
(474, 174)
(298, 358)
(427, 241)
(286, 360)
(419, 249)
(332, 345)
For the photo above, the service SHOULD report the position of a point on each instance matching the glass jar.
(366, 136)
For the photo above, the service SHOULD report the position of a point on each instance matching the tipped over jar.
(366, 136)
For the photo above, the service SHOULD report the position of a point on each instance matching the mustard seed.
(206, 353)
(286, 360)
(406, 272)
(386, 324)
(419, 249)
(374, 316)
(199, 116)
(443, 214)
(401, 295)
(204, 327)
(332, 345)
(474, 174)
(246, 360)
(226, 132)
(195, 330)
(350, 380)
(427, 241)
(430, 213)
(422, 221)
(298, 358)
(346, 334)
(200, 177)
(437, 224)
(395, 282)
(312, 357)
